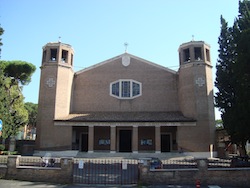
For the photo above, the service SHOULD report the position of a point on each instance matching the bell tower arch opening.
(194, 51)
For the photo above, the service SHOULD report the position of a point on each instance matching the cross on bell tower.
(200, 81)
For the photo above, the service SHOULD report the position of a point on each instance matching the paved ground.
(27, 184)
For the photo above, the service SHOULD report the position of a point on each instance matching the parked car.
(152, 162)
(239, 161)
(155, 163)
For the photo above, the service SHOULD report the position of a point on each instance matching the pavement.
(28, 184)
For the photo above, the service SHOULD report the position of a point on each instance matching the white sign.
(81, 164)
(124, 165)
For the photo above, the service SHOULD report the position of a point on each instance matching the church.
(126, 103)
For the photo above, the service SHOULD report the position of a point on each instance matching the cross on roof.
(126, 46)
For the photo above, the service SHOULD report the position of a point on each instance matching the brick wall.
(238, 177)
(61, 175)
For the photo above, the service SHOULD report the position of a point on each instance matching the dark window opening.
(53, 54)
(71, 59)
(125, 88)
(44, 55)
(197, 54)
(115, 89)
(207, 55)
(186, 55)
(180, 58)
(136, 89)
(64, 55)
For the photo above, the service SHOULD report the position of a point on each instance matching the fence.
(120, 171)
(231, 163)
(219, 163)
(180, 164)
(39, 161)
(105, 171)
(207, 171)
(32, 169)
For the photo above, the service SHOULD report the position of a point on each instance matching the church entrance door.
(165, 143)
(125, 141)
(84, 142)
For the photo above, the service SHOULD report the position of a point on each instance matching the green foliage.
(14, 114)
(12, 110)
(4, 112)
(2, 147)
(233, 76)
(32, 111)
(21, 71)
(219, 124)
(225, 97)
(1, 32)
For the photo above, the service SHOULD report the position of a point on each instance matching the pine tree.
(14, 114)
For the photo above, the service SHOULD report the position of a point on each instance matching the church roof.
(126, 117)
(131, 56)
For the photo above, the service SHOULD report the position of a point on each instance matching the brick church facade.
(126, 103)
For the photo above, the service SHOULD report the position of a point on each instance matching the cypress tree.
(233, 76)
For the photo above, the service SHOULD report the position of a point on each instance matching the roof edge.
(130, 55)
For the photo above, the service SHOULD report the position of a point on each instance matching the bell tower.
(196, 96)
(54, 95)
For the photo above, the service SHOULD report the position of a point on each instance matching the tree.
(19, 71)
(32, 111)
(224, 82)
(30, 127)
(15, 74)
(1, 32)
(233, 76)
(3, 97)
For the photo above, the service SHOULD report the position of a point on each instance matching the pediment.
(126, 58)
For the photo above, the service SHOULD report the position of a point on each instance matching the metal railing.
(179, 164)
(235, 162)
(38, 162)
(105, 171)
(219, 163)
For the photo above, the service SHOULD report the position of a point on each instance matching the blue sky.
(98, 29)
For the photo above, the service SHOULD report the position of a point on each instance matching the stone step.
(123, 155)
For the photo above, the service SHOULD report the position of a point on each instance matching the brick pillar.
(135, 139)
(157, 139)
(91, 139)
(202, 175)
(66, 170)
(112, 139)
(13, 161)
